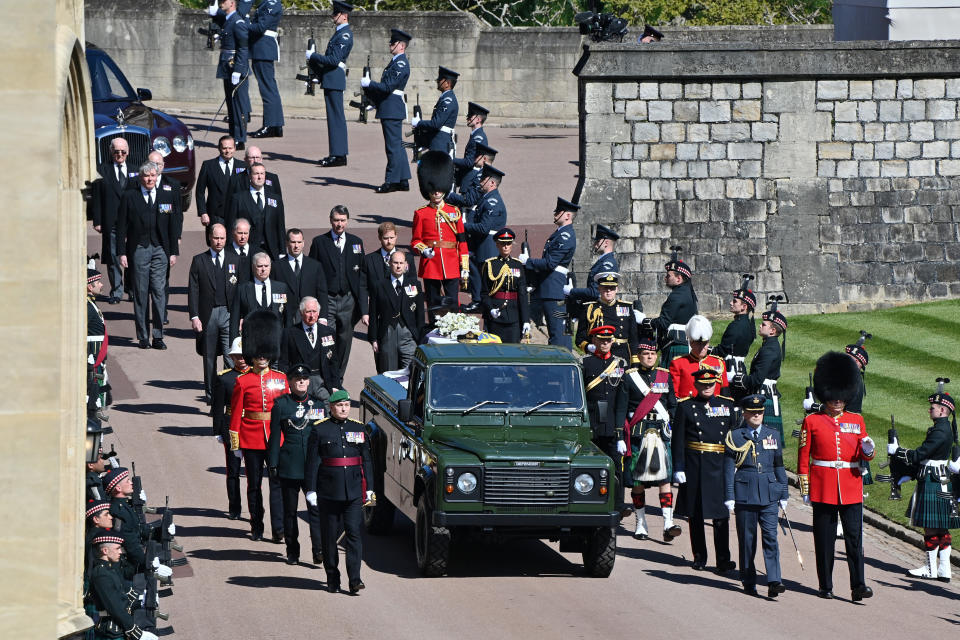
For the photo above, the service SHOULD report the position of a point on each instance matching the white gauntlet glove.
(679, 477)
(954, 466)
(567, 288)
(783, 504)
(591, 348)
(494, 313)
(523, 257)
(212, 9)
(161, 570)
(365, 81)
(526, 328)
(427, 253)
(312, 498)
(621, 447)
(807, 403)
(309, 53)
(414, 121)
(893, 446)
(143, 495)
(238, 453)
(235, 78)
(464, 274)
(172, 529)
(729, 504)
(868, 446)
(638, 316)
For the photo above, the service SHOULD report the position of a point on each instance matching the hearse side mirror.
(404, 410)
(144, 94)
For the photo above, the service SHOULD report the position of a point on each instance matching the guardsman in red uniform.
(832, 444)
(438, 235)
(699, 331)
(250, 406)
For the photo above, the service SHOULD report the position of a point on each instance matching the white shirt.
(339, 241)
(149, 195)
(216, 254)
(254, 192)
(394, 280)
(241, 250)
(298, 260)
(226, 166)
(257, 285)
(121, 170)
(311, 333)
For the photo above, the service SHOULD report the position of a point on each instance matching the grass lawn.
(910, 348)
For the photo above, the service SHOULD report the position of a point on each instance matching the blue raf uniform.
(264, 52)
(391, 104)
(234, 56)
(478, 137)
(440, 126)
(332, 67)
(491, 215)
(470, 192)
(755, 483)
(550, 275)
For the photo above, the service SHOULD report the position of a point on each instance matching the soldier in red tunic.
(438, 235)
(832, 444)
(250, 405)
(699, 331)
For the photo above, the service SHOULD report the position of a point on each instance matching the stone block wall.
(839, 190)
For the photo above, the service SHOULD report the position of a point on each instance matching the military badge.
(280, 298)
(623, 312)
(165, 208)
(769, 442)
(356, 437)
(515, 272)
(410, 290)
(849, 427)
(301, 410)
(659, 387)
(357, 248)
(271, 202)
(326, 341)
(165, 187)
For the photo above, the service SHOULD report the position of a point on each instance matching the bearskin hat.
(699, 328)
(835, 377)
(261, 335)
(435, 173)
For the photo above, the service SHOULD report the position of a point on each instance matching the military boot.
(930, 569)
(943, 572)
(671, 530)
(641, 532)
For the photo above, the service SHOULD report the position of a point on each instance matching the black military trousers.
(511, 332)
(825, 536)
(698, 538)
(255, 461)
(350, 513)
(233, 480)
(290, 489)
(435, 290)
(748, 518)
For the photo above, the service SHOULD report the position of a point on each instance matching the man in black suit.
(376, 264)
(212, 284)
(148, 229)
(302, 274)
(341, 257)
(240, 245)
(312, 344)
(166, 183)
(212, 183)
(263, 207)
(396, 316)
(240, 180)
(262, 292)
(104, 206)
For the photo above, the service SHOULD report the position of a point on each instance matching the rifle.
(312, 78)
(568, 318)
(111, 456)
(138, 503)
(151, 593)
(365, 104)
(212, 30)
(525, 245)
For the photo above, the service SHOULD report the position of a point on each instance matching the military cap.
(650, 31)
(236, 348)
(753, 402)
(835, 377)
(744, 294)
(604, 233)
(505, 235)
(446, 303)
(114, 477)
(435, 173)
(942, 398)
(777, 318)
(474, 109)
(858, 353)
(698, 328)
(298, 371)
(93, 275)
(340, 395)
(603, 331)
(396, 35)
(607, 279)
(341, 7)
(96, 506)
(676, 264)
(101, 536)
(566, 205)
(486, 150)
(446, 74)
(706, 375)
(261, 335)
(490, 170)
(647, 342)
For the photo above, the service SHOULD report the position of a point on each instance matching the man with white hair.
(699, 331)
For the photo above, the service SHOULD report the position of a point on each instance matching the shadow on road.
(205, 531)
(929, 587)
(286, 157)
(701, 579)
(156, 407)
(652, 555)
(327, 181)
(378, 219)
(279, 582)
(237, 555)
(185, 431)
(175, 385)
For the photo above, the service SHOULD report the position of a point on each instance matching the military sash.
(650, 400)
(614, 363)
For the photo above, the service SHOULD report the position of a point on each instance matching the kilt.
(671, 352)
(636, 441)
(771, 418)
(930, 504)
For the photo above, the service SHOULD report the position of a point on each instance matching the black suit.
(245, 270)
(104, 208)
(388, 313)
(212, 290)
(267, 226)
(211, 191)
(296, 349)
(346, 288)
(309, 282)
(245, 300)
(240, 182)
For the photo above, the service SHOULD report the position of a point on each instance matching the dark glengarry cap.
(101, 536)
(647, 341)
(566, 205)
(707, 375)
(858, 353)
(93, 275)
(485, 150)
(444, 73)
(777, 318)
(942, 398)
(505, 235)
(299, 370)
(835, 377)
(676, 264)
(474, 109)
(603, 232)
(745, 294)
(396, 35)
(435, 173)
(603, 331)
(753, 402)
(490, 170)
(340, 395)
(96, 506)
(607, 279)
(341, 7)
(113, 477)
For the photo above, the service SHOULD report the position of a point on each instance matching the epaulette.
(630, 370)
(684, 399)
(662, 369)
(491, 259)
(724, 397)
(678, 357)
(224, 371)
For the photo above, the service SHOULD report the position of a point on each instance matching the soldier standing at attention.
(683, 368)
(612, 311)
(476, 117)
(440, 126)
(603, 244)
(338, 460)
(391, 104)
(765, 368)
(677, 309)
(480, 227)
(332, 67)
(222, 393)
(755, 485)
(503, 289)
(232, 67)
(739, 334)
(264, 52)
(833, 441)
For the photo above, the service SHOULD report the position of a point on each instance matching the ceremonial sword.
(799, 557)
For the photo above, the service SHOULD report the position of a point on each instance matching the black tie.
(121, 176)
(296, 267)
(150, 199)
(396, 286)
(313, 338)
(216, 261)
(226, 168)
(259, 201)
(263, 294)
(756, 436)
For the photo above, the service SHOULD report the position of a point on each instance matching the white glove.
(783, 504)
(309, 53)
(806, 499)
(729, 504)
(464, 274)
(526, 328)
(238, 453)
(146, 635)
(161, 570)
(679, 477)
(730, 375)
(427, 253)
(143, 598)
(807, 403)
(172, 529)
(369, 496)
(143, 495)
(867, 446)
(954, 466)
(235, 78)
(414, 121)
(567, 288)
(638, 316)
(893, 447)
(494, 313)
(621, 447)
(312, 498)
(591, 348)
(220, 439)
(365, 81)
(523, 257)
(212, 9)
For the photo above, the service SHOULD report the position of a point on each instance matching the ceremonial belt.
(677, 327)
(256, 415)
(603, 374)
(94, 338)
(444, 244)
(561, 269)
(273, 34)
(836, 464)
(342, 66)
(705, 447)
(651, 401)
(341, 462)
(399, 92)
(447, 130)
(505, 295)
(229, 411)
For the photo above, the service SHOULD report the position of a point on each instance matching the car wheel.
(601, 552)
(433, 543)
(378, 518)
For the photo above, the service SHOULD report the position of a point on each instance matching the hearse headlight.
(467, 482)
(583, 483)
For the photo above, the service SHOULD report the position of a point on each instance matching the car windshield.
(107, 81)
(461, 386)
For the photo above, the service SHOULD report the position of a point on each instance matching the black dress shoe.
(727, 565)
(256, 536)
(825, 594)
(387, 187)
(158, 343)
(403, 185)
(861, 592)
(268, 132)
(333, 587)
(698, 565)
(474, 307)
(750, 589)
(292, 559)
(276, 538)
(144, 344)
(334, 161)
(233, 516)
(625, 511)
(113, 301)
(356, 586)
(240, 146)
(774, 589)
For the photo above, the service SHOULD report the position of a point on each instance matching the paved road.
(234, 588)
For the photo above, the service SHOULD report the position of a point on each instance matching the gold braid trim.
(594, 316)
(743, 451)
(498, 279)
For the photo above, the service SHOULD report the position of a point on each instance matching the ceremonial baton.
(799, 557)
(217, 114)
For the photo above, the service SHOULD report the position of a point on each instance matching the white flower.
(452, 322)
